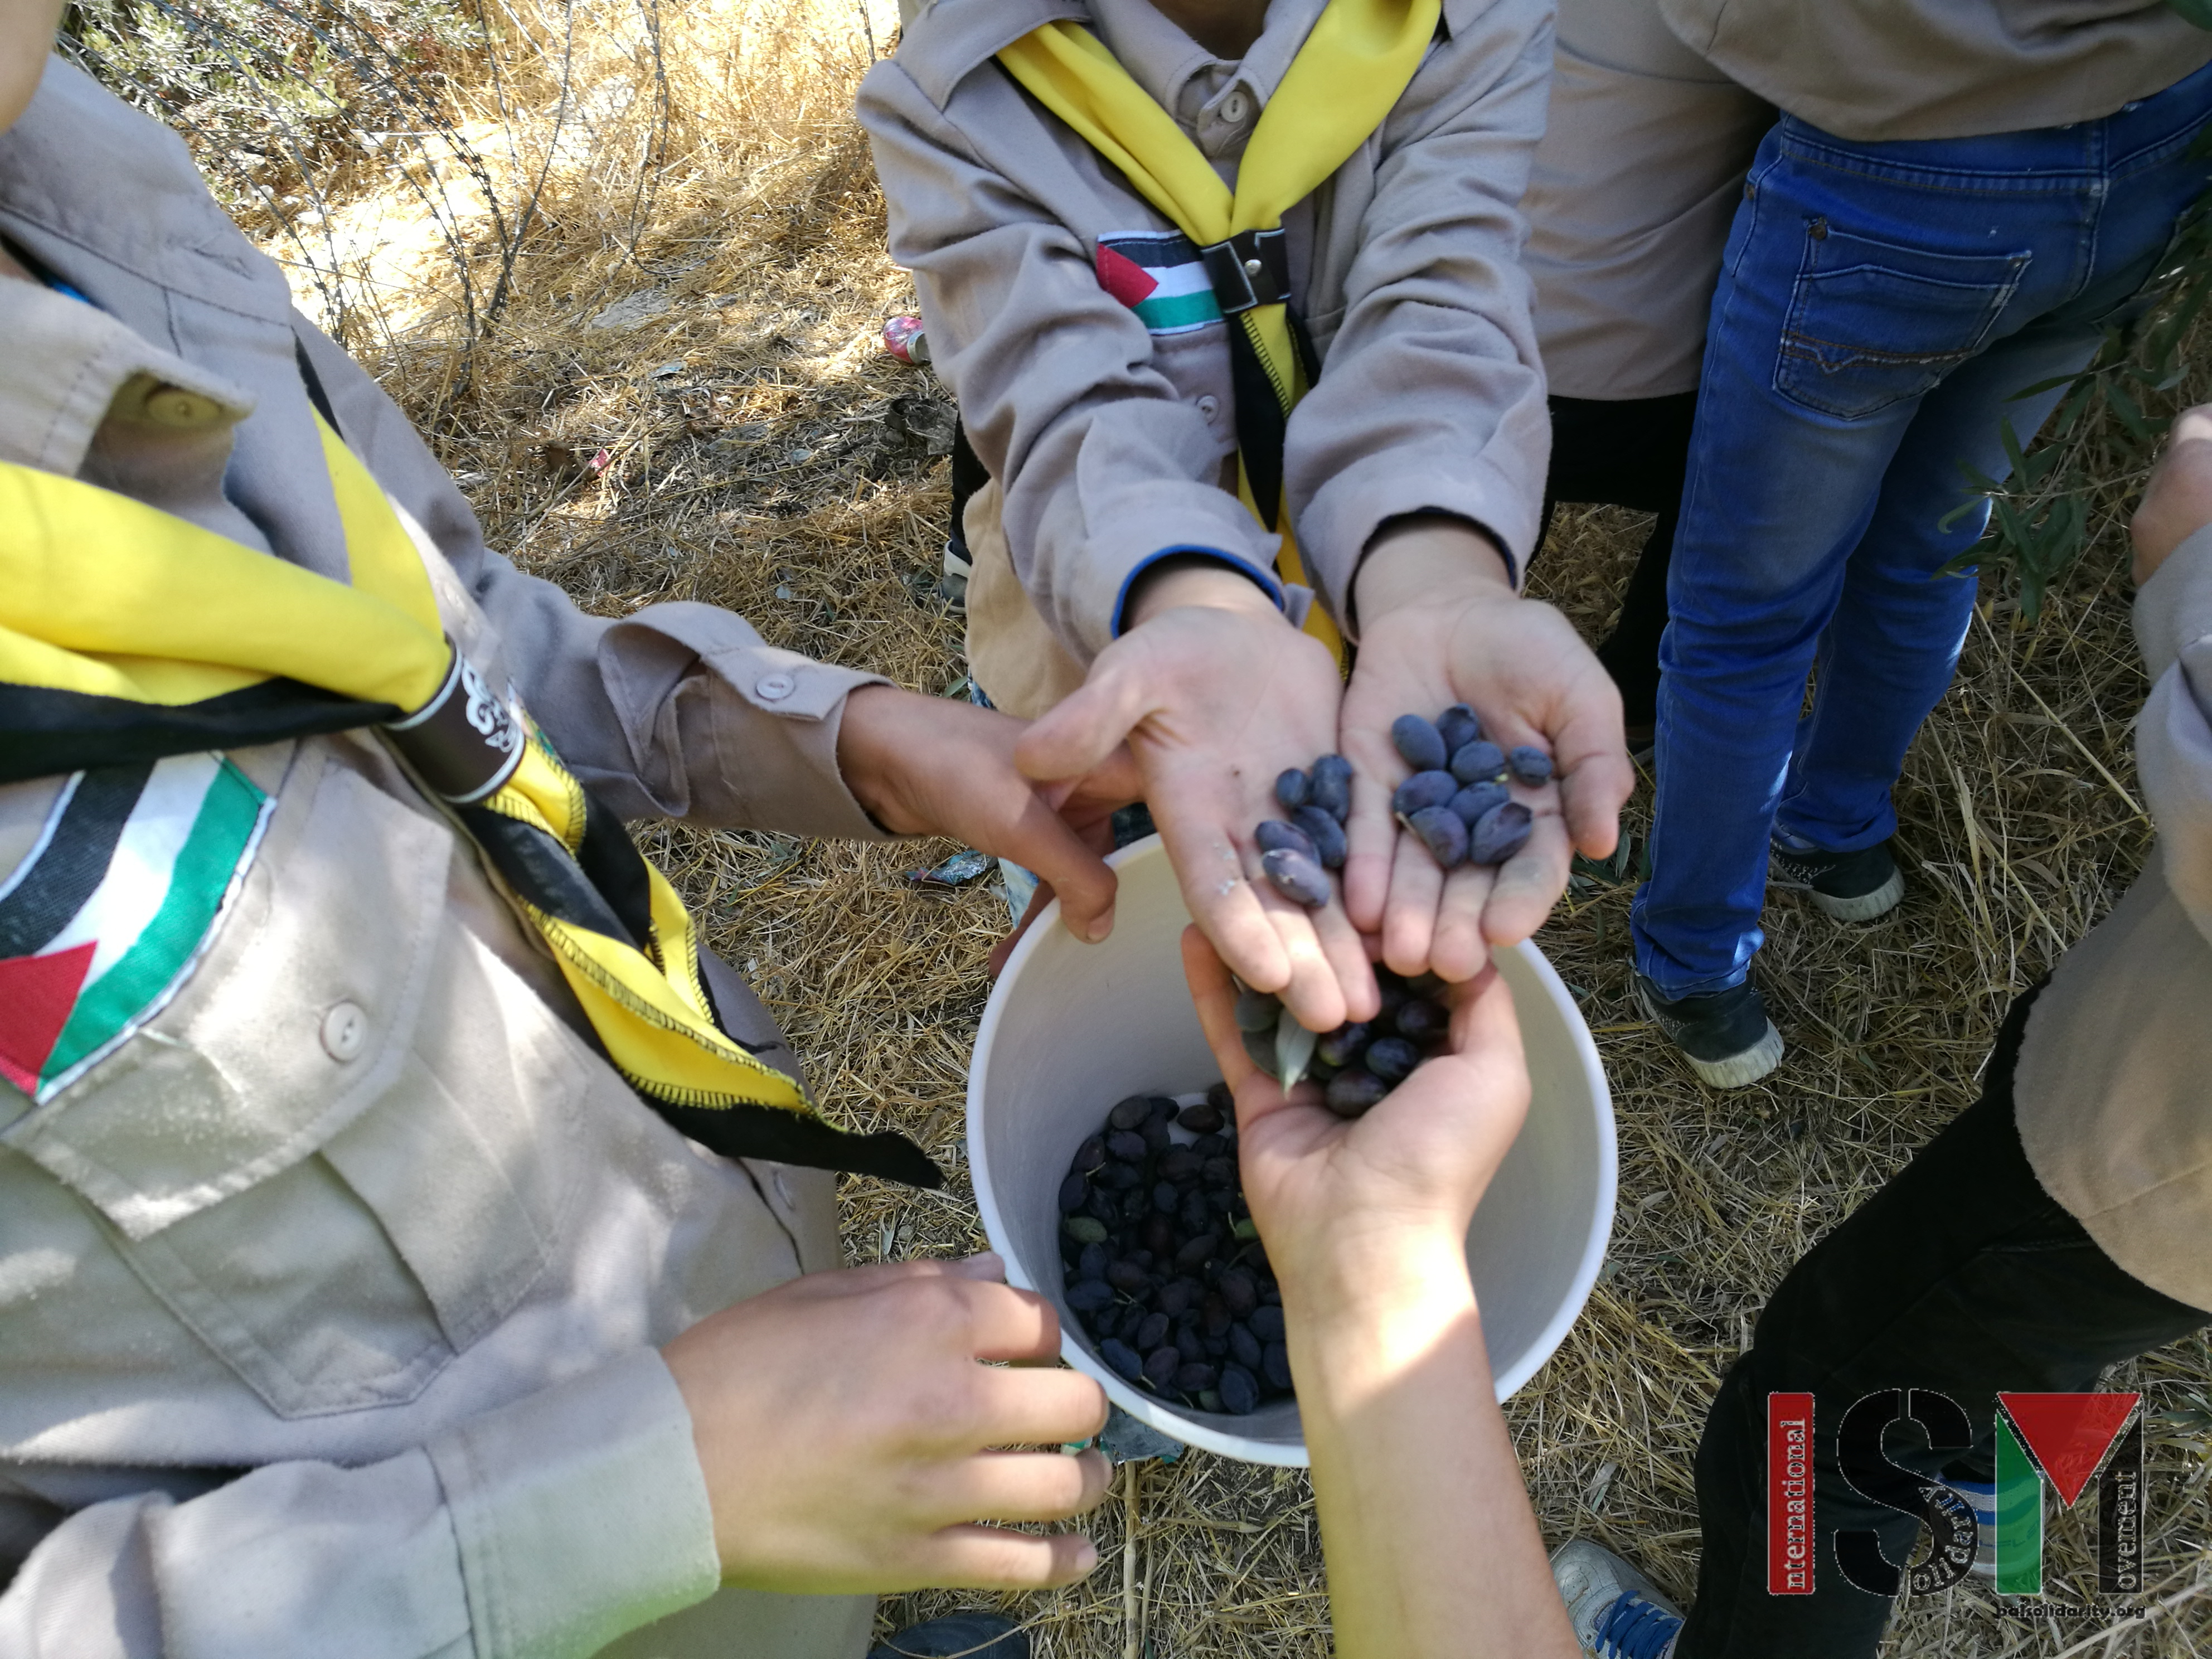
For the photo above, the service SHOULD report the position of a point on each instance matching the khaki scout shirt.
(1879, 69)
(1629, 199)
(2112, 1092)
(320, 1346)
(1110, 441)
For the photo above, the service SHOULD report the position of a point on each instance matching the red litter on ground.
(904, 340)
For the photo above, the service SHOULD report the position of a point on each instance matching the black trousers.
(1961, 1275)
(1632, 454)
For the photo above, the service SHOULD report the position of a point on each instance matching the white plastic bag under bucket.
(1070, 1028)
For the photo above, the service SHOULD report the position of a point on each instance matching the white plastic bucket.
(1070, 1028)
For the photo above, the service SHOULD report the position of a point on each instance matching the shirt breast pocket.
(1872, 324)
(342, 1155)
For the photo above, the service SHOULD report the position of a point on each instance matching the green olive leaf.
(1294, 1050)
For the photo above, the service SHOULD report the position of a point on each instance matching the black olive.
(1500, 833)
(1128, 1277)
(1296, 877)
(1244, 1346)
(1193, 1254)
(1422, 1020)
(1529, 765)
(1424, 790)
(1476, 798)
(1458, 726)
(1331, 787)
(1326, 834)
(1240, 1292)
(1352, 1093)
(1195, 1376)
(1202, 1119)
(1270, 834)
(1443, 832)
(1240, 1391)
(1419, 744)
(1392, 1059)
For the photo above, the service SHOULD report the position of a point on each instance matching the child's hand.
(930, 766)
(1431, 1543)
(1439, 624)
(852, 1436)
(1217, 694)
(2178, 501)
(1330, 1196)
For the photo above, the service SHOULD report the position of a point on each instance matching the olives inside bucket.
(1070, 1028)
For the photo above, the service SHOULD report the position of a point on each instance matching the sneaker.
(1981, 1497)
(1616, 1611)
(957, 1636)
(952, 585)
(1849, 886)
(1724, 1034)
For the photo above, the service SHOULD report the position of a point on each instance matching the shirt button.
(1235, 107)
(1209, 406)
(774, 688)
(346, 1030)
(171, 405)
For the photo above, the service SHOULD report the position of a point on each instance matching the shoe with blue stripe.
(1617, 1612)
(1981, 1497)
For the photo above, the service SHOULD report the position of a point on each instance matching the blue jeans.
(1879, 306)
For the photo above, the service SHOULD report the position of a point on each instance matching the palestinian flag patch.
(1159, 276)
(103, 922)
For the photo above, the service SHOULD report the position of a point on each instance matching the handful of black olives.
(1456, 804)
(1360, 1062)
(1165, 1271)
(1456, 801)
(1296, 850)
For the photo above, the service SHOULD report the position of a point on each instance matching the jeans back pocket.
(1873, 324)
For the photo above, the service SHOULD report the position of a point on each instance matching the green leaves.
(1294, 1050)
(2078, 481)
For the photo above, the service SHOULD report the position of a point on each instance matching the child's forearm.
(1432, 1549)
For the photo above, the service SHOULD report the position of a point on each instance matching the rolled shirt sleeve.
(680, 710)
(1430, 398)
(542, 1530)
(2174, 734)
(1105, 467)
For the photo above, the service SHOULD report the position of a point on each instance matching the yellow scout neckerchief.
(1346, 79)
(127, 634)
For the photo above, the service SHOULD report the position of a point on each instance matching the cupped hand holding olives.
(1403, 1121)
(1215, 692)
(1456, 804)
(1439, 626)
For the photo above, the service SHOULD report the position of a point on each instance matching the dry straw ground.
(743, 441)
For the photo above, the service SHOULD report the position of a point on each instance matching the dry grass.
(748, 446)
